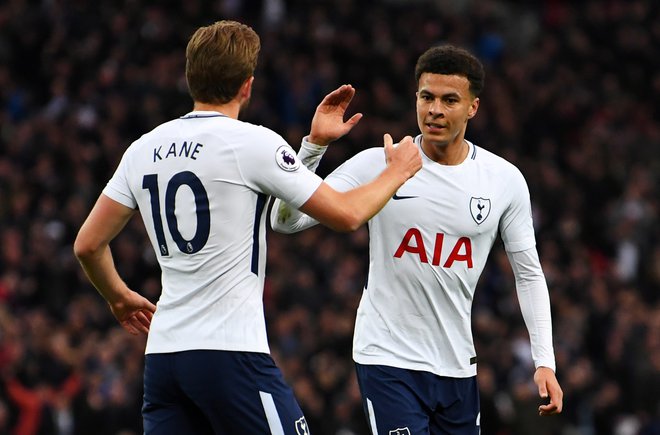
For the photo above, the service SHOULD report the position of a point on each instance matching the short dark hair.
(451, 60)
(219, 59)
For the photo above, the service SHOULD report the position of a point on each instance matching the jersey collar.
(203, 114)
(472, 149)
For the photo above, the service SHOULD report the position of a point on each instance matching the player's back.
(201, 183)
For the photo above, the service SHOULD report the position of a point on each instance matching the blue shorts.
(218, 392)
(408, 402)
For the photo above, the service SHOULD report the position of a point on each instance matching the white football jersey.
(202, 184)
(428, 247)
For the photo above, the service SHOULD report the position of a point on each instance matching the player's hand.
(134, 313)
(328, 123)
(405, 156)
(549, 388)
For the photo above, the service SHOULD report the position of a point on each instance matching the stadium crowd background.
(572, 97)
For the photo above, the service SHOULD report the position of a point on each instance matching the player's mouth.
(435, 128)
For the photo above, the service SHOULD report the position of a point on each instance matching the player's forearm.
(535, 308)
(351, 209)
(347, 211)
(311, 153)
(283, 217)
(534, 300)
(370, 198)
(101, 272)
(286, 219)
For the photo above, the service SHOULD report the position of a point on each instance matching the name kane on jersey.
(187, 149)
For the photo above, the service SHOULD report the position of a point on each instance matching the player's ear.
(474, 106)
(245, 92)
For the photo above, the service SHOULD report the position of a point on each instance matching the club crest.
(480, 209)
(301, 426)
(400, 431)
(286, 158)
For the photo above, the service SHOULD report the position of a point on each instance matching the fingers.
(143, 320)
(340, 96)
(353, 120)
(548, 387)
(138, 323)
(128, 326)
(555, 404)
(387, 140)
(543, 391)
(407, 140)
(404, 156)
(150, 307)
(549, 409)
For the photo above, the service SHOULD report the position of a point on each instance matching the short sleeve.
(117, 187)
(272, 167)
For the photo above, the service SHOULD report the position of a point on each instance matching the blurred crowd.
(572, 98)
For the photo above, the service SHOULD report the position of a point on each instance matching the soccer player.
(415, 358)
(201, 183)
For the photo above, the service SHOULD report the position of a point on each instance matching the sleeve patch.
(286, 158)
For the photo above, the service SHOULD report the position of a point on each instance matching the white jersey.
(202, 184)
(428, 247)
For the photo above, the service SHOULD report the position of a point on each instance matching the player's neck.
(453, 153)
(230, 109)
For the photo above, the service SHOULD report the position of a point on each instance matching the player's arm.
(534, 300)
(347, 211)
(284, 218)
(340, 210)
(91, 247)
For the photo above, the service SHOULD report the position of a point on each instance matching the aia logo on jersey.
(480, 209)
(413, 243)
(286, 158)
(400, 431)
(301, 426)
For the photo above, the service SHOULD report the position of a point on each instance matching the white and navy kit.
(202, 183)
(428, 247)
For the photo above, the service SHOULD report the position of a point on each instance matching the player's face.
(444, 105)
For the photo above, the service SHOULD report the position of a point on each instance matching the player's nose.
(435, 108)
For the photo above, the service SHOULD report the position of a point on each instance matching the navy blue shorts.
(408, 402)
(218, 392)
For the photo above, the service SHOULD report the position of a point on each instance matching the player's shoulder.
(373, 158)
(156, 132)
(255, 130)
(256, 136)
(497, 163)
(214, 125)
(375, 155)
(371, 153)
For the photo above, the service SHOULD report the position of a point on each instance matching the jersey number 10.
(203, 216)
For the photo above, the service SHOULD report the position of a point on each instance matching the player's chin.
(435, 138)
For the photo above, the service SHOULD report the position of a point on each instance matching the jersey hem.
(450, 373)
(203, 346)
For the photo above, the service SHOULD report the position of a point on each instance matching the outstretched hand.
(548, 386)
(134, 313)
(328, 123)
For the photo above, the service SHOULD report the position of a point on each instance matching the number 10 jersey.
(202, 184)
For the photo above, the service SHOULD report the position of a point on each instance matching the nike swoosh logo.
(397, 197)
